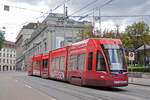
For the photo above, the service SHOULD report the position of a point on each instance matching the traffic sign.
(131, 55)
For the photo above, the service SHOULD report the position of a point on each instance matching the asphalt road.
(11, 89)
(57, 90)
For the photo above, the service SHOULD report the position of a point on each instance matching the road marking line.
(28, 86)
(16, 80)
(53, 99)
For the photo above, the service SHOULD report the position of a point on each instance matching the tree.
(112, 33)
(138, 33)
(125, 38)
(1, 38)
(86, 33)
(109, 34)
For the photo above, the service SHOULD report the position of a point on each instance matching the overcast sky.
(25, 11)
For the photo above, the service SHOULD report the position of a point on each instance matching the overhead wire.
(84, 7)
(96, 8)
(118, 16)
(44, 14)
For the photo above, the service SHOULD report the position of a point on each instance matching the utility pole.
(66, 11)
(100, 21)
(100, 12)
(64, 24)
(93, 22)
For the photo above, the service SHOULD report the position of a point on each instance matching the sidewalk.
(139, 81)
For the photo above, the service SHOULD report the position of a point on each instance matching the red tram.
(94, 62)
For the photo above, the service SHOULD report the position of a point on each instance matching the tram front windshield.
(115, 57)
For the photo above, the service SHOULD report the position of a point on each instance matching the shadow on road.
(114, 89)
(111, 89)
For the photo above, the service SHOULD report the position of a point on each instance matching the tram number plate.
(122, 82)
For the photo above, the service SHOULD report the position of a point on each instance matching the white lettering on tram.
(57, 75)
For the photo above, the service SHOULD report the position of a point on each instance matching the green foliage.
(86, 33)
(128, 61)
(134, 35)
(1, 38)
(138, 33)
(125, 38)
(109, 34)
(139, 69)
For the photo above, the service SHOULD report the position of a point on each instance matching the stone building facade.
(8, 56)
(55, 31)
(24, 34)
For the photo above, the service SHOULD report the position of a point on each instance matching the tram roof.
(98, 40)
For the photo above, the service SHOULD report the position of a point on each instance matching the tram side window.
(90, 60)
(57, 63)
(73, 62)
(81, 61)
(45, 63)
(53, 64)
(37, 64)
(100, 62)
(62, 63)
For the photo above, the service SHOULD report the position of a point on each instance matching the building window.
(10, 61)
(0, 60)
(3, 49)
(0, 54)
(13, 67)
(3, 60)
(7, 61)
(11, 56)
(45, 46)
(7, 55)
(3, 54)
(10, 68)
